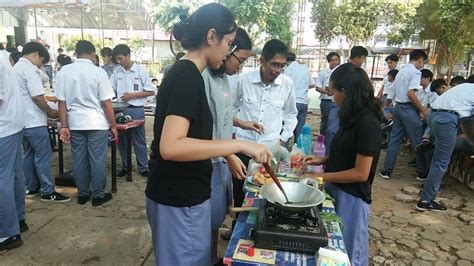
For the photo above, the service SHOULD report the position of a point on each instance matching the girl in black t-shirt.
(179, 185)
(352, 161)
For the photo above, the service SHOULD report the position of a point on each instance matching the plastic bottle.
(319, 150)
(306, 140)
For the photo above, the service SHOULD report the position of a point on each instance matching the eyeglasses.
(240, 60)
(276, 65)
(231, 50)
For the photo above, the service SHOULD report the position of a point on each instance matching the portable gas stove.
(302, 232)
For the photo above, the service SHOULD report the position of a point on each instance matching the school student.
(352, 162)
(179, 186)
(108, 59)
(446, 112)
(219, 96)
(84, 93)
(322, 86)
(132, 85)
(357, 57)
(425, 95)
(406, 120)
(37, 153)
(12, 185)
(303, 81)
(392, 64)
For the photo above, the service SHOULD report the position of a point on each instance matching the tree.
(451, 24)
(264, 17)
(167, 13)
(356, 22)
(69, 43)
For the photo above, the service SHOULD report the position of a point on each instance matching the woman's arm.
(360, 172)
(176, 146)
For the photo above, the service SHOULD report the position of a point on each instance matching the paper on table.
(244, 252)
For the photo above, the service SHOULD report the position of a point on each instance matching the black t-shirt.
(181, 184)
(362, 136)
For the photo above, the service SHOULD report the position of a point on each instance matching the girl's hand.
(259, 152)
(313, 160)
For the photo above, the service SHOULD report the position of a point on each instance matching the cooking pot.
(302, 196)
(119, 106)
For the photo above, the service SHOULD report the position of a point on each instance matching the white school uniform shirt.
(302, 79)
(408, 78)
(271, 106)
(136, 79)
(83, 86)
(459, 99)
(322, 81)
(29, 81)
(12, 119)
(426, 96)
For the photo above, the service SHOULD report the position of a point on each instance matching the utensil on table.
(277, 182)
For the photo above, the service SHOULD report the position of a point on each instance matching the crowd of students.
(207, 128)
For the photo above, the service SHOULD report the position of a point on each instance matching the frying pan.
(119, 106)
(303, 195)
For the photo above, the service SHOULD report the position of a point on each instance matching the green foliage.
(69, 43)
(451, 23)
(136, 43)
(154, 68)
(264, 17)
(356, 21)
(167, 12)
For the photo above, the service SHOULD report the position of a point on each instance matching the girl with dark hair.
(179, 186)
(219, 96)
(352, 161)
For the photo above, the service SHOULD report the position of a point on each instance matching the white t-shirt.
(426, 96)
(408, 78)
(322, 81)
(301, 77)
(136, 79)
(459, 99)
(12, 118)
(83, 86)
(29, 81)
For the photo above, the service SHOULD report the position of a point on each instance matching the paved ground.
(118, 234)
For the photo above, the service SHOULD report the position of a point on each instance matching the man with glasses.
(267, 97)
(303, 81)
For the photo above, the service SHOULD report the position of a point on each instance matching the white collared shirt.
(12, 118)
(271, 106)
(136, 79)
(322, 81)
(459, 98)
(29, 81)
(302, 79)
(426, 96)
(83, 86)
(408, 78)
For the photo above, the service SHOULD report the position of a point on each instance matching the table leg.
(113, 147)
(61, 157)
(129, 153)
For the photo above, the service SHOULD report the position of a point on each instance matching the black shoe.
(425, 146)
(122, 172)
(32, 193)
(81, 200)
(100, 201)
(421, 177)
(412, 163)
(385, 174)
(145, 173)
(23, 226)
(55, 197)
(430, 206)
(11, 243)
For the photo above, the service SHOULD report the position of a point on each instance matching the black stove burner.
(301, 232)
